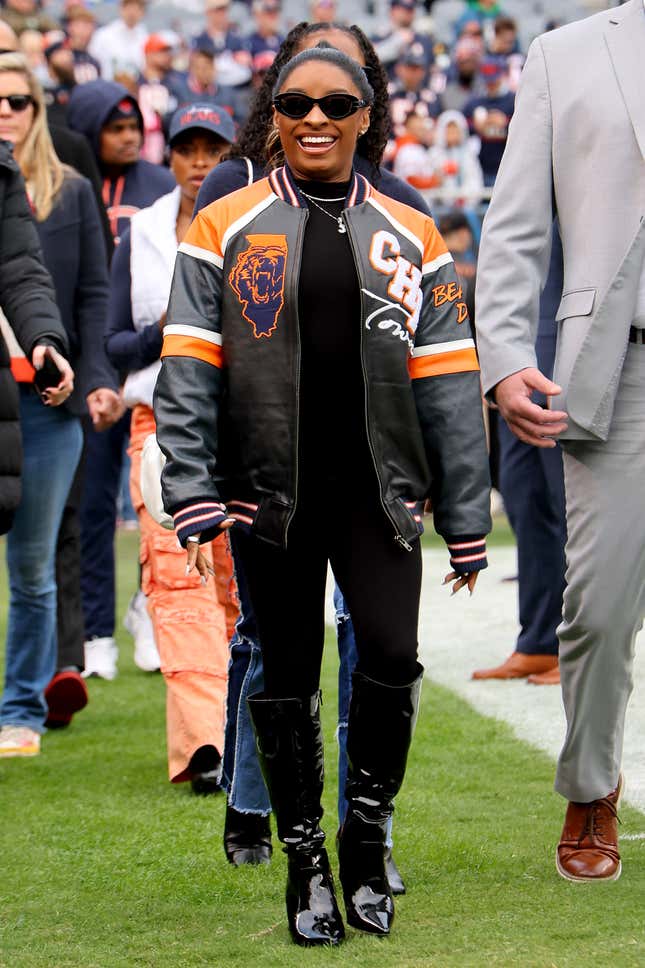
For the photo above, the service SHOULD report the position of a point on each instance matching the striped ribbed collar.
(284, 186)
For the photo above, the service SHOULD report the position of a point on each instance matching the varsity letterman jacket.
(227, 396)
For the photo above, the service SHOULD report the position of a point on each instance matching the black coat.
(74, 254)
(27, 299)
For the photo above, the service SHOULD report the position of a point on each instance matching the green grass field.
(104, 864)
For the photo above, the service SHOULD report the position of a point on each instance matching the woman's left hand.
(195, 558)
(461, 581)
(54, 396)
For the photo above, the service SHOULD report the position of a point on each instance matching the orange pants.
(192, 623)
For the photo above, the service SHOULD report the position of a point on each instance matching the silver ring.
(192, 539)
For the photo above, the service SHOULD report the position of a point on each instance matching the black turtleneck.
(333, 438)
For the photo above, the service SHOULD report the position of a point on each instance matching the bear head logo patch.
(257, 279)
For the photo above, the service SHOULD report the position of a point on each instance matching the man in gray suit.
(576, 149)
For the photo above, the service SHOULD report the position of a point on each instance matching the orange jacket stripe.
(457, 361)
(198, 349)
(209, 227)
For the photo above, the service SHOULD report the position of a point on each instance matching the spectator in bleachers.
(462, 79)
(60, 75)
(506, 44)
(266, 36)
(24, 15)
(261, 64)
(203, 82)
(455, 162)
(489, 116)
(399, 34)
(323, 11)
(411, 160)
(232, 58)
(160, 90)
(31, 45)
(484, 12)
(118, 46)
(409, 91)
(80, 23)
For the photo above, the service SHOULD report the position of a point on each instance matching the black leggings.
(380, 581)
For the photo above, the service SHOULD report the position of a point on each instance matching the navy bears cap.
(204, 117)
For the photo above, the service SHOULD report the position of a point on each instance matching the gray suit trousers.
(604, 602)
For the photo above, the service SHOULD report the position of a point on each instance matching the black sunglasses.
(334, 106)
(17, 102)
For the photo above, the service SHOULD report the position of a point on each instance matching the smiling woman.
(279, 401)
(320, 110)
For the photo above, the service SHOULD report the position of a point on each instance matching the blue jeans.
(52, 441)
(247, 792)
(243, 778)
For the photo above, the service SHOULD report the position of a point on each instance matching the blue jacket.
(74, 253)
(140, 184)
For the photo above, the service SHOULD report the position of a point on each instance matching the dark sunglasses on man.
(334, 106)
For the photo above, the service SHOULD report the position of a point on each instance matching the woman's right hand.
(54, 396)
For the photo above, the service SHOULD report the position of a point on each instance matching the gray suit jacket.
(576, 149)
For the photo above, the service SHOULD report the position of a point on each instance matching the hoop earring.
(273, 149)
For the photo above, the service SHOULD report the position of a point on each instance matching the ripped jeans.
(247, 792)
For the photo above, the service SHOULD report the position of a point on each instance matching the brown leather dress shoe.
(518, 666)
(550, 678)
(588, 848)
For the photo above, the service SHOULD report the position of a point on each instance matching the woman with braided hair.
(247, 833)
(286, 398)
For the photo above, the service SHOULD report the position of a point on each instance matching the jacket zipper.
(397, 536)
(296, 277)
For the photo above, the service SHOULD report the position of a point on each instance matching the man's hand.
(105, 407)
(528, 421)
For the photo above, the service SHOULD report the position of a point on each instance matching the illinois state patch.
(257, 279)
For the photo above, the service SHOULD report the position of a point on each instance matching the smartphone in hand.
(47, 377)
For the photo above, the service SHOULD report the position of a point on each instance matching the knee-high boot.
(290, 744)
(381, 722)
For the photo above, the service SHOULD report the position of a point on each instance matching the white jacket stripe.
(204, 254)
(196, 332)
(442, 260)
(435, 348)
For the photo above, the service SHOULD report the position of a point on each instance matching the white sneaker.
(138, 623)
(101, 655)
(19, 741)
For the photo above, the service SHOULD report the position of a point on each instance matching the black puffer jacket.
(27, 300)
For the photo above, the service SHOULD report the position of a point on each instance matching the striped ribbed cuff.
(468, 555)
(203, 519)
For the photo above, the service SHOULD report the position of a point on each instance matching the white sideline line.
(460, 634)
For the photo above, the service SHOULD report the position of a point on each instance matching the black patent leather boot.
(290, 744)
(381, 722)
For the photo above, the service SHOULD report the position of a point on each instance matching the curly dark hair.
(251, 141)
